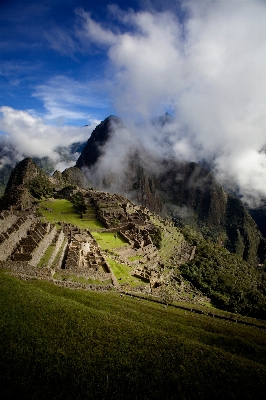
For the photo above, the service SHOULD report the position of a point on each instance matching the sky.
(65, 64)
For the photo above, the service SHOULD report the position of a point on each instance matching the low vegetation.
(59, 343)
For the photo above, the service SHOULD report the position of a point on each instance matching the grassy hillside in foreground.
(71, 344)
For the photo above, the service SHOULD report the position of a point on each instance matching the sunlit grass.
(122, 273)
(135, 258)
(109, 240)
(63, 210)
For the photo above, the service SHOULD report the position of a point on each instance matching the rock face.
(184, 191)
(70, 176)
(92, 150)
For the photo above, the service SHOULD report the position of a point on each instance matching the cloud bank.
(32, 136)
(208, 69)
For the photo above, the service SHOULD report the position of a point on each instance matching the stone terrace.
(10, 238)
(33, 246)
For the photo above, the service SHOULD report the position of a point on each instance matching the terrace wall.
(63, 254)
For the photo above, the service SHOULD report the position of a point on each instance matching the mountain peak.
(24, 172)
(92, 151)
(163, 119)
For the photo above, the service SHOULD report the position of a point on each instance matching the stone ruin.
(120, 215)
(24, 240)
(82, 256)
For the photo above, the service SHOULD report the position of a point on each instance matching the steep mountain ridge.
(92, 150)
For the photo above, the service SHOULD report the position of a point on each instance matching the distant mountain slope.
(184, 191)
(28, 182)
(10, 156)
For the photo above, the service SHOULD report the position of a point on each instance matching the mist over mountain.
(117, 161)
(10, 155)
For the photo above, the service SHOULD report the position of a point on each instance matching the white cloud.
(94, 31)
(210, 69)
(33, 137)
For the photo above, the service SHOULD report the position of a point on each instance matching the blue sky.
(47, 64)
(44, 68)
(65, 64)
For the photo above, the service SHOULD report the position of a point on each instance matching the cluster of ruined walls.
(19, 230)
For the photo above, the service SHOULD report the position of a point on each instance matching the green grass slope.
(71, 344)
(63, 210)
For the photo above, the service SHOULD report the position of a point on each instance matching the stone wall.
(42, 247)
(88, 273)
(19, 231)
(23, 270)
(78, 285)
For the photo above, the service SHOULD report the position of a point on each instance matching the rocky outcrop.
(24, 172)
(72, 176)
